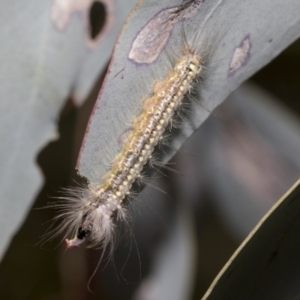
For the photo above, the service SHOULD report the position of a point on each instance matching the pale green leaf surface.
(97, 56)
(42, 61)
(220, 27)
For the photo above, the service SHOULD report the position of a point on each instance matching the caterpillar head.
(96, 226)
(83, 233)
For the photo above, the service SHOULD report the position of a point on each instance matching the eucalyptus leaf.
(267, 264)
(46, 54)
(239, 37)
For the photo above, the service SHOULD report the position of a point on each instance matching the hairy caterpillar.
(90, 213)
(100, 204)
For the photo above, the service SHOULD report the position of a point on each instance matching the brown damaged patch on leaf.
(241, 55)
(155, 34)
(63, 10)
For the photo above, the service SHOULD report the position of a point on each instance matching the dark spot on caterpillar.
(81, 233)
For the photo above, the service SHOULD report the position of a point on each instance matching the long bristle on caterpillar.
(100, 206)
